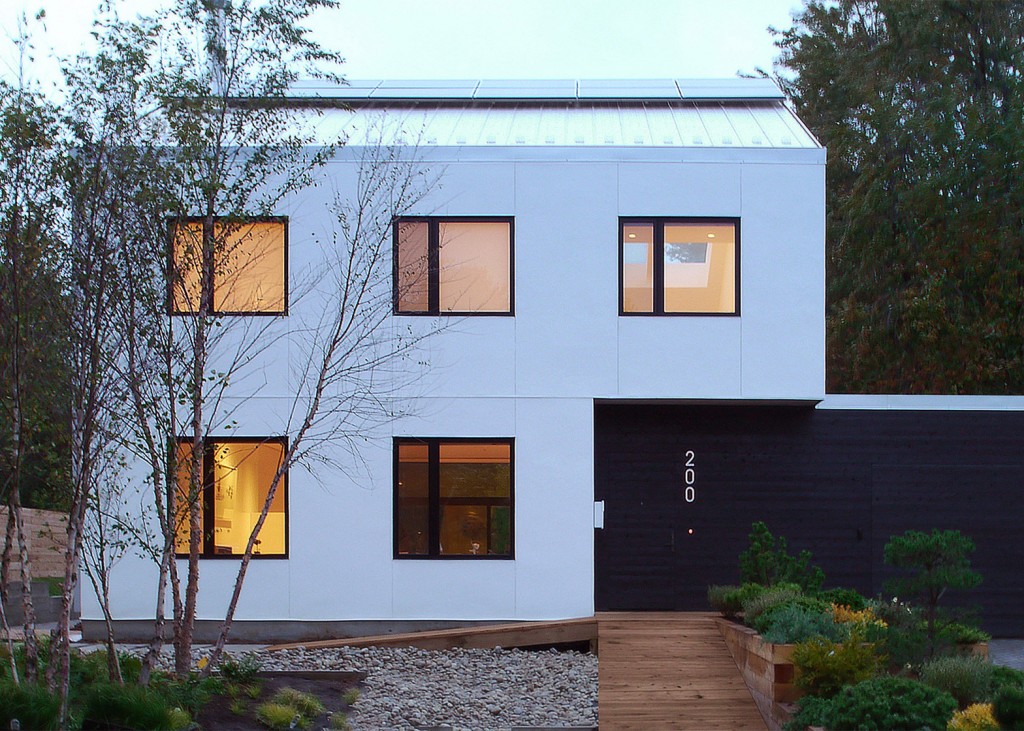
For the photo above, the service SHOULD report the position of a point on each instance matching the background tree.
(921, 106)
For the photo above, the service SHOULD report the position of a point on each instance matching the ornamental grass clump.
(279, 716)
(824, 667)
(895, 704)
(772, 596)
(968, 678)
(306, 704)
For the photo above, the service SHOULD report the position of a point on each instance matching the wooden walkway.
(669, 670)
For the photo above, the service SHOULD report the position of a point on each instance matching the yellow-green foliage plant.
(977, 717)
(824, 667)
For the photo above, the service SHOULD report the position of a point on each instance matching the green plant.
(760, 602)
(1002, 676)
(903, 638)
(238, 707)
(812, 711)
(968, 678)
(767, 561)
(977, 717)
(843, 598)
(178, 718)
(1008, 707)
(896, 704)
(190, 693)
(30, 704)
(764, 619)
(305, 703)
(350, 696)
(825, 667)
(795, 623)
(243, 670)
(340, 721)
(725, 599)
(277, 716)
(937, 562)
(958, 633)
(130, 706)
(254, 689)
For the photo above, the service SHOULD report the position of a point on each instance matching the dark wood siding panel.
(838, 483)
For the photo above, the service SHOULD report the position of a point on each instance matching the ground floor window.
(237, 474)
(453, 498)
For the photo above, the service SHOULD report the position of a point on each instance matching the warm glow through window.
(236, 479)
(248, 267)
(453, 266)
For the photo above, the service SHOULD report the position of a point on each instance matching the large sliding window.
(236, 477)
(453, 498)
(453, 265)
(249, 262)
(679, 266)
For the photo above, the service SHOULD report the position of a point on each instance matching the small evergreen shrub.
(725, 600)
(794, 623)
(761, 622)
(967, 678)
(31, 704)
(759, 602)
(128, 706)
(896, 704)
(277, 716)
(242, 671)
(958, 633)
(767, 561)
(904, 639)
(1002, 676)
(825, 667)
(812, 711)
(977, 717)
(305, 703)
(848, 598)
(1008, 707)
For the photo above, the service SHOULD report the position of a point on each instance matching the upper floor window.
(677, 266)
(237, 474)
(453, 265)
(249, 267)
(453, 498)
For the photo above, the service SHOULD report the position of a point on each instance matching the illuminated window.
(236, 476)
(249, 267)
(679, 266)
(459, 266)
(453, 498)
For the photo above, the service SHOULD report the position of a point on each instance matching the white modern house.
(630, 278)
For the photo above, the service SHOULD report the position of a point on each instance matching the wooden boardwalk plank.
(667, 671)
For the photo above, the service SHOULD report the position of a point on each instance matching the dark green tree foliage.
(767, 561)
(897, 704)
(921, 106)
(937, 561)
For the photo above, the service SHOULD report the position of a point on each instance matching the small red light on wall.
(690, 531)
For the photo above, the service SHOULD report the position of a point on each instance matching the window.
(679, 266)
(249, 267)
(237, 475)
(453, 265)
(453, 498)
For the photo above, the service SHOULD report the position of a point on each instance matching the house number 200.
(690, 477)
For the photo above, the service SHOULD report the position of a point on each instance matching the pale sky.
(492, 39)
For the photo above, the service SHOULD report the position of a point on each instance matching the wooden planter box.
(767, 670)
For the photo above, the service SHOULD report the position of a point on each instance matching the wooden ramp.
(669, 670)
(520, 634)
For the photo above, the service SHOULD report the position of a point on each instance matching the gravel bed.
(408, 688)
(468, 690)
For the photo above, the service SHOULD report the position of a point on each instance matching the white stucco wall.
(533, 376)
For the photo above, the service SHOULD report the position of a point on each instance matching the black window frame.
(434, 267)
(241, 221)
(207, 544)
(434, 500)
(659, 223)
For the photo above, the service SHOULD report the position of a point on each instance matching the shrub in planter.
(725, 599)
(898, 704)
(977, 717)
(758, 603)
(795, 623)
(903, 639)
(767, 561)
(812, 711)
(968, 678)
(762, 621)
(1008, 707)
(958, 633)
(849, 598)
(825, 667)
(31, 704)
